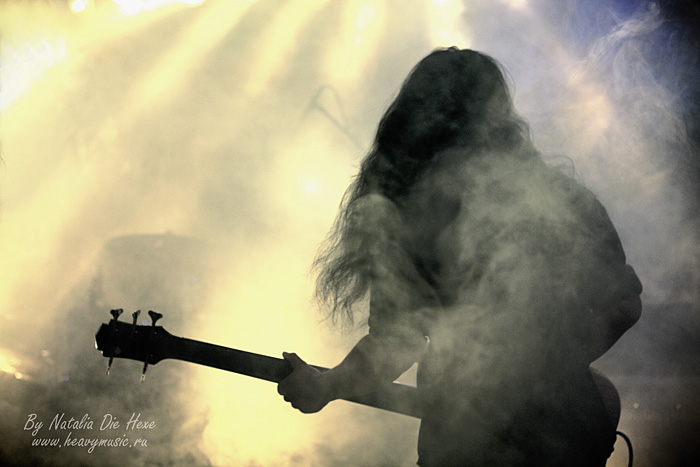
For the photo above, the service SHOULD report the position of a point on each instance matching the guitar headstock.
(118, 339)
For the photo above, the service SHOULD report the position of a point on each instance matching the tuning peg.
(143, 372)
(115, 316)
(134, 315)
(116, 312)
(155, 316)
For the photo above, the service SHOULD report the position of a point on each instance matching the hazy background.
(188, 157)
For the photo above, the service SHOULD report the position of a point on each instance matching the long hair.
(451, 98)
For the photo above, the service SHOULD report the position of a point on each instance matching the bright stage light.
(132, 7)
(516, 4)
(446, 29)
(78, 6)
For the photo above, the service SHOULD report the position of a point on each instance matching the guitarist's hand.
(304, 388)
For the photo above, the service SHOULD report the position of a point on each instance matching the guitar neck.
(237, 361)
(395, 397)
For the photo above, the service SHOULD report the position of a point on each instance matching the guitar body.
(609, 394)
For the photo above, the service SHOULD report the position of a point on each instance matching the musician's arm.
(398, 297)
(370, 365)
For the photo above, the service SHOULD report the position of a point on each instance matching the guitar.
(151, 344)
